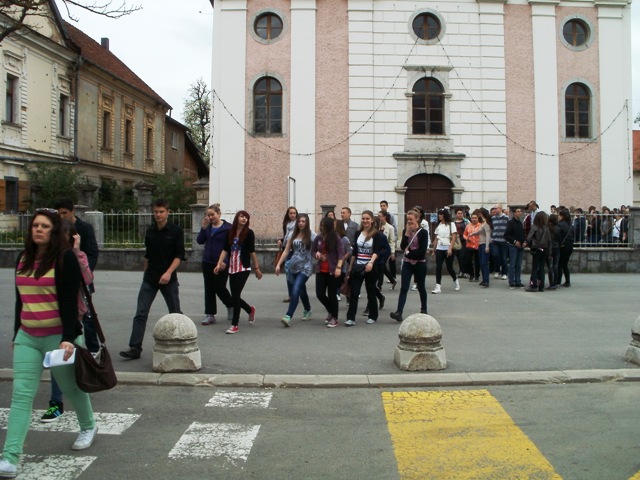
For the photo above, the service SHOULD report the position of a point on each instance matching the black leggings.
(237, 282)
(441, 256)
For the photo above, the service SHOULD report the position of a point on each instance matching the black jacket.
(514, 232)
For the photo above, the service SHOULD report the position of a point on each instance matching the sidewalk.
(490, 336)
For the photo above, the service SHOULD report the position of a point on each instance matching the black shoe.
(519, 285)
(531, 289)
(483, 284)
(423, 311)
(552, 287)
(397, 316)
(382, 299)
(131, 354)
(366, 312)
(541, 289)
(53, 413)
(566, 284)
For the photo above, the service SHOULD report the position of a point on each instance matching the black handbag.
(94, 374)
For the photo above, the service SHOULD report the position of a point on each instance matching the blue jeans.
(484, 262)
(298, 292)
(146, 296)
(419, 271)
(515, 265)
(500, 254)
(28, 354)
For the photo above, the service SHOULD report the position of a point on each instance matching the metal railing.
(113, 229)
(127, 229)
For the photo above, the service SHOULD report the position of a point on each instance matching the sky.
(169, 48)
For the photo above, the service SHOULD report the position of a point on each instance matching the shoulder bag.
(94, 374)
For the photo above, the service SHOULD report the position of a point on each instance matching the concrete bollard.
(176, 348)
(420, 348)
(633, 351)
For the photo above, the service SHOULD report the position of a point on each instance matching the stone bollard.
(419, 347)
(176, 348)
(633, 351)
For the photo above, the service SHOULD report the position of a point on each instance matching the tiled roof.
(102, 58)
(636, 150)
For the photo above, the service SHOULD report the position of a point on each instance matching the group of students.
(343, 256)
(495, 241)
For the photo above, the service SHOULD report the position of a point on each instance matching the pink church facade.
(337, 102)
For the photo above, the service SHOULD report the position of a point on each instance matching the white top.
(443, 234)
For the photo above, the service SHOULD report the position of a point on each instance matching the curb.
(370, 381)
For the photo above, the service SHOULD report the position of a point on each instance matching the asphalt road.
(587, 326)
(583, 431)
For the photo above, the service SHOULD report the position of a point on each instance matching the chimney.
(104, 41)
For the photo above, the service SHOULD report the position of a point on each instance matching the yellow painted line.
(461, 434)
(636, 476)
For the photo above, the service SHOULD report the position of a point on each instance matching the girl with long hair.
(348, 249)
(539, 242)
(240, 247)
(288, 225)
(328, 250)
(300, 267)
(484, 242)
(414, 246)
(471, 246)
(213, 235)
(362, 268)
(47, 280)
(445, 236)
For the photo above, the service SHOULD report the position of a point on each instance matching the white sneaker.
(85, 439)
(350, 323)
(338, 297)
(8, 470)
(370, 321)
(414, 287)
(437, 289)
(504, 277)
(496, 275)
(456, 285)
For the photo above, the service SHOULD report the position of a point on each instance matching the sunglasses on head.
(52, 211)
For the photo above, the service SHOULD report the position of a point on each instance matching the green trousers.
(28, 354)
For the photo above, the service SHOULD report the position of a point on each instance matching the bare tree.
(197, 116)
(14, 14)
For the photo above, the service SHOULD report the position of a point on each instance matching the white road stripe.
(230, 442)
(53, 467)
(240, 399)
(110, 423)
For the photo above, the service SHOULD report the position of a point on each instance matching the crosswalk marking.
(58, 467)
(240, 399)
(230, 442)
(459, 434)
(109, 423)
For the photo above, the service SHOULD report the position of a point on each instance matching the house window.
(267, 106)
(11, 194)
(106, 129)
(426, 26)
(575, 32)
(427, 107)
(128, 136)
(174, 140)
(149, 147)
(577, 102)
(268, 26)
(64, 113)
(11, 99)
